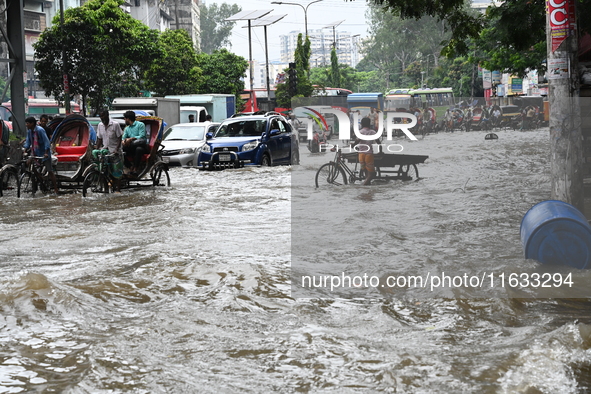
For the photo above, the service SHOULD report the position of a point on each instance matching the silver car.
(183, 142)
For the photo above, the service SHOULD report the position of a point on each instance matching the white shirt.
(111, 135)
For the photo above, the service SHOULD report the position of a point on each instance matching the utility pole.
(16, 47)
(64, 65)
(566, 140)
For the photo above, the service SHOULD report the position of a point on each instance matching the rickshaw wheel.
(330, 174)
(94, 183)
(410, 172)
(157, 172)
(9, 183)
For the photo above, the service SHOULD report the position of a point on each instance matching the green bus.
(437, 98)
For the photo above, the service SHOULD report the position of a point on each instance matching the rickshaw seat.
(70, 153)
(72, 144)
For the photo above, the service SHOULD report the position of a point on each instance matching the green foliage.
(334, 75)
(368, 81)
(215, 31)
(176, 71)
(514, 47)
(221, 72)
(396, 43)
(510, 37)
(282, 95)
(319, 76)
(461, 74)
(302, 61)
(107, 52)
(460, 21)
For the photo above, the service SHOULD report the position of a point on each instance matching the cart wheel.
(94, 183)
(9, 182)
(331, 174)
(410, 172)
(157, 176)
(26, 185)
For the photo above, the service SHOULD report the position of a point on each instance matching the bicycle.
(330, 171)
(34, 177)
(100, 179)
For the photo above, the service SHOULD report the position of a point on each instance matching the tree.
(460, 21)
(176, 71)
(459, 74)
(396, 43)
(107, 51)
(222, 72)
(215, 31)
(335, 71)
(302, 60)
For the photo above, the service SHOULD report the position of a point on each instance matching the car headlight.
(250, 146)
(206, 148)
(187, 150)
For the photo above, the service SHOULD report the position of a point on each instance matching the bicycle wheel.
(27, 185)
(330, 173)
(8, 182)
(94, 183)
(159, 175)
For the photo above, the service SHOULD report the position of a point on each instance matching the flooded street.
(194, 288)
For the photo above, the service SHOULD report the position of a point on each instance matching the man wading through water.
(365, 151)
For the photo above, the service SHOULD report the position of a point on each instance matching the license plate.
(225, 157)
(166, 159)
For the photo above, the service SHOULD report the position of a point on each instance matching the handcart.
(389, 166)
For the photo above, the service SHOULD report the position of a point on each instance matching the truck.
(219, 106)
(168, 109)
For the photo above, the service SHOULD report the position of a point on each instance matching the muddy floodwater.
(189, 289)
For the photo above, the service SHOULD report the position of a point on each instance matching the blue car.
(260, 140)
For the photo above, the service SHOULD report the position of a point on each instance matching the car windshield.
(187, 132)
(242, 128)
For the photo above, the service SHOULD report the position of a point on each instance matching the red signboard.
(66, 84)
(561, 20)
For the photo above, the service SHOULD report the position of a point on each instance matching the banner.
(486, 79)
(560, 14)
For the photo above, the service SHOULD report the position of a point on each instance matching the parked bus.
(437, 98)
(38, 107)
(318, 91)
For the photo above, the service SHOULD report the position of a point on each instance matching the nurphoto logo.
(394, 121)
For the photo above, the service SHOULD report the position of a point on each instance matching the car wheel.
(266, 160)
(295, 158)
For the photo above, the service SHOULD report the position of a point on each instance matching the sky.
(320, 15)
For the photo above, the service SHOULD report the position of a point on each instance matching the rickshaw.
(71, 145)
(457, 120)
(477, 119)
(153, 171)
(429, 120)
(70, 150)
(510, 116)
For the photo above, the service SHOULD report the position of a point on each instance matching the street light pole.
(304, 8)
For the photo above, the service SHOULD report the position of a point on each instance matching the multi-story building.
(321, 43)
(167, 14)
(260, 72)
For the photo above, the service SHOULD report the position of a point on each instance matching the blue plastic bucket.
(554, 232)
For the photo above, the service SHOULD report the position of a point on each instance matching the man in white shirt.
(109, 141)
(108, 133)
